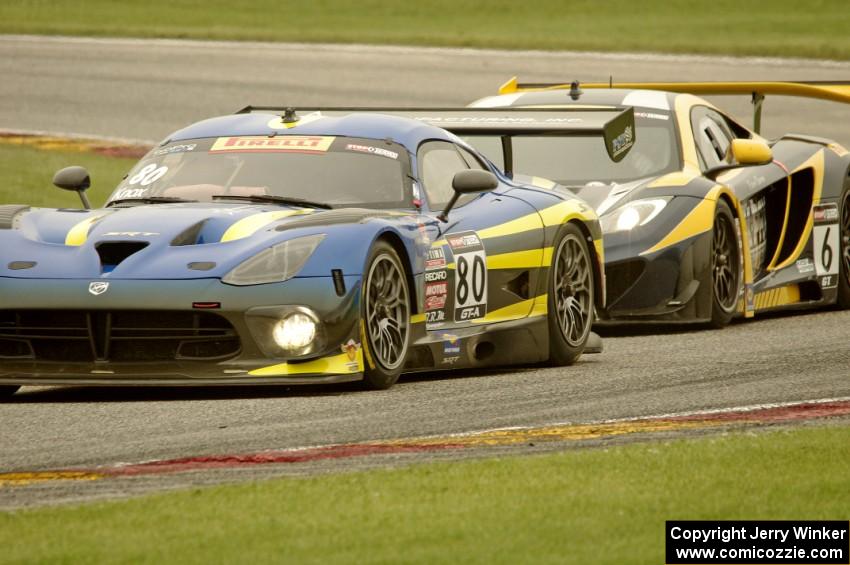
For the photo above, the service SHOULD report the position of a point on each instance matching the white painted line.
(442, 51)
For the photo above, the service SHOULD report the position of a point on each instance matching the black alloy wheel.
(386, 312)
(570, 296)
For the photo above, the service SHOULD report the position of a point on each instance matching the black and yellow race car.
(703, 219)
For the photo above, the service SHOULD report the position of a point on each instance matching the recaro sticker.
(470, 276)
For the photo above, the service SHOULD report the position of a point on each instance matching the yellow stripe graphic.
(777, 297)
(247, 227)
(332, 365)
(699, 220)
(78, 234)
(552, 216)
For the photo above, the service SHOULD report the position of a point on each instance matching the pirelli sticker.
(279, 144)
(470, 288)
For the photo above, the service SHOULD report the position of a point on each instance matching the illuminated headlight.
(275, 264)
(296, 331)
(633, 214)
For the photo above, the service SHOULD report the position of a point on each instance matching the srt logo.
(98, 288)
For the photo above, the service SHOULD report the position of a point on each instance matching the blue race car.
(271, 248)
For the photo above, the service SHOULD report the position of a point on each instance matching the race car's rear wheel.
(386, 315)
(570, 296)
(844, 274)
(8, 390)
(725, 266)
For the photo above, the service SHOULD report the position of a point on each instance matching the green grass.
(817, 28)
(584, 506)
(26, 176)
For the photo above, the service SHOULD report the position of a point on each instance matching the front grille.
(125, 336)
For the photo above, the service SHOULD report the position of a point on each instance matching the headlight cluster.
(633, 214)
(275, 264)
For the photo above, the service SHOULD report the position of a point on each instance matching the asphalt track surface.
(143, 90)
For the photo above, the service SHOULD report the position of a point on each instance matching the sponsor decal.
(431, 276)
(262, 144)
(436, 259)
(350, 348)
(131, 233)
(470, 276)
(98, 287)
(373, 150)
(463, 242)
(805, 266)
(183, 148)
(652, 116)
(451, 343)
(435, 295)
(827, 213)
(435, 302)
(434, 319)
(623, 141)
(750, 295)
(130, 193)
(755, 181)
(436, 289)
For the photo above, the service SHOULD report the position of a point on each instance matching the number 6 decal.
(827, 245)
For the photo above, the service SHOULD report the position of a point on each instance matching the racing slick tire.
(7, 391)
(570, 296)
(386, 317)
(725, 266)
(843, 299)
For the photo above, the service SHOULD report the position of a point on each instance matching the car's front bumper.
(668, 285)
(82, 338)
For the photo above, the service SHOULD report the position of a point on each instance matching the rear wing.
(835, 91)
(616, 125)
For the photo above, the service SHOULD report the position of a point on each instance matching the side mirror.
(469, 181)
(744, 153)
(76, 179)
(750, 152)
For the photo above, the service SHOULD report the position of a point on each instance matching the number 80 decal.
(470, 280)
(148, 174)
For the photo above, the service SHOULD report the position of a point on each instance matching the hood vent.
(190, 236)
(112, 253)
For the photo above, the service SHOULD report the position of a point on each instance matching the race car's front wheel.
(570, 299)
(386, 316)
(8, 390)
(725, 266)
(844, 269)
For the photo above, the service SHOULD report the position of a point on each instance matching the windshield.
(337, 171)
(577, 160)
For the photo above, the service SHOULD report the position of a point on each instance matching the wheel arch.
(395, 241)
(598, 264)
